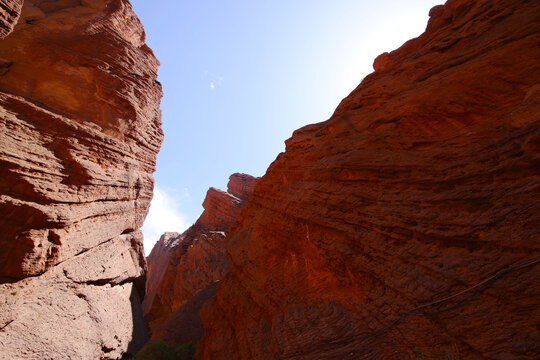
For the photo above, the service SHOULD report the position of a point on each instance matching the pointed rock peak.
(221, 208)
(241, 185)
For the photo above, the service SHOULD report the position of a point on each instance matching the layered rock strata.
(183, 269)
(9, 14)
(422, 189)
(80, 130)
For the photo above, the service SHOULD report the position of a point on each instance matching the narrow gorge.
(406, 226)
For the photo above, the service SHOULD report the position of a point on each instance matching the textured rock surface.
(9, 14)
(84, 308)
(158, 261)
(79, 133)
(423, 183)
(241, 185)
(194, 261)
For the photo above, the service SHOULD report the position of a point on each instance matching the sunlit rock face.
(422, 184)
(9, 14)
(183, 269)
(80, 130)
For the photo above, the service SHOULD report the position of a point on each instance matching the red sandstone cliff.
(183, 269)
(422, 184)
(80, 130)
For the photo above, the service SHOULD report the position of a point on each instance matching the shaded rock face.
(79, 133)
(183, 269)
(158, 261)
(9, 14)
(422, 184)
(184, 325)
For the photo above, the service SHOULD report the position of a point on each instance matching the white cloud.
(186, 194)
(215, 81)
(162, 217)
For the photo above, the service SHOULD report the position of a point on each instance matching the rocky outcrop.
(9, 14)
(80, 130)
(241, 185)
(396, 226)
(193, 262)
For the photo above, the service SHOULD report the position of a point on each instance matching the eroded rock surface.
(9, 14)
(79, 133)
(422, 184)
(193, 262)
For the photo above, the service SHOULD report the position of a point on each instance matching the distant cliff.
(409, 221)
(183, 268)
(80, 130)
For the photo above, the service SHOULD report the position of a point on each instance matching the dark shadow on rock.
(185, 325)
(140, 334)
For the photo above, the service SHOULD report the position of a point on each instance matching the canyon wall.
(401, 224)
(80, 130)
(183, 269)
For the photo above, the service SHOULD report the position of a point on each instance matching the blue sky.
(240, 76)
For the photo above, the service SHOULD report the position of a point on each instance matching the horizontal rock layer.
(183, 269)
(422, 184)
(80, 130)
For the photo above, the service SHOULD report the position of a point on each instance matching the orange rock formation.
(80, 130)
(423, 184)
(183, 269)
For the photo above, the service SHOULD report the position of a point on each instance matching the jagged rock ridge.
(422, 184)
(183, 269)
(80, 130)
